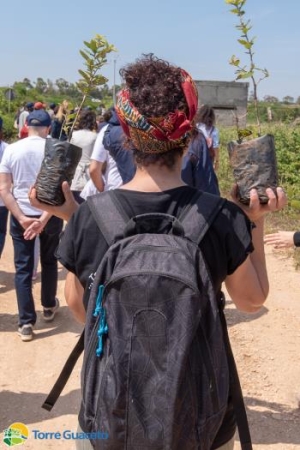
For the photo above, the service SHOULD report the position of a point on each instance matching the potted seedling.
(61, 157)
(253, 160)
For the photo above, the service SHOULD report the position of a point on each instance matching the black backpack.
(155, 373)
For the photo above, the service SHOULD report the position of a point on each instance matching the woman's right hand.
(255, 210)
(65, 211)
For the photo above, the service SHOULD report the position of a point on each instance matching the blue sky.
(42, 39)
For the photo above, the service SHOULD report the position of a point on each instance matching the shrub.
(9, 132)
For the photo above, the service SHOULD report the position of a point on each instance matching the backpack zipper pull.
(98, 301)
(103, 327)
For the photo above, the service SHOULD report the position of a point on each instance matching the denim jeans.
(3, 226)
(24, 262)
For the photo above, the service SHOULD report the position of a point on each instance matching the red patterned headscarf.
(158, 134)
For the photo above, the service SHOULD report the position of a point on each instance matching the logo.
(16, 434)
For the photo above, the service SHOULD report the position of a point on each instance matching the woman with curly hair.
(157, 108)
(84, 137)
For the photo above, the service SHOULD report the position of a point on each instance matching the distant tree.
(72, 91)
(41, 85)
(270, 99)
(298, 101)
(288, 99)
(62, 85)
(27, 83)
(96, 93)
(50, 87)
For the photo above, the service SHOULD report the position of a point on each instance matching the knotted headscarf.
(158, 134)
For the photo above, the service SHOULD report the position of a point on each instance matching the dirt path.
(266, 345)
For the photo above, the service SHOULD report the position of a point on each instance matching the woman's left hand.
(255, 210)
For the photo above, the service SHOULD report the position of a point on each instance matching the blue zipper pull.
(103, 330)
(103, 327)
(99, 301)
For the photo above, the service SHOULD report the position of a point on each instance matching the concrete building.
(228, 98)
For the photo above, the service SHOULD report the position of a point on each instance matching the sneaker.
(49, 313)
(26, 332)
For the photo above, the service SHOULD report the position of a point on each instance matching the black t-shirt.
(225, 246)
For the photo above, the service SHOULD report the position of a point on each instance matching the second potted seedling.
(253, 160)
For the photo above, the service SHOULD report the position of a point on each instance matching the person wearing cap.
(19, 168)
(22, 118)
(3, 209)
(39, 105)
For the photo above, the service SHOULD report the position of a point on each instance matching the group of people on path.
(169, 155)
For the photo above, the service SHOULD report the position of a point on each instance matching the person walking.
(84, 137)
(156, 110)
(197, 167)
(19, 168)
(3, 209)
(23, 116)
(206, 123)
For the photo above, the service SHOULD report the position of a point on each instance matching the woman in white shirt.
(84, 137)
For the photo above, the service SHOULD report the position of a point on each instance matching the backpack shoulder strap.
(64, 375)
(235, 388)
(108, 214)
(198, 216)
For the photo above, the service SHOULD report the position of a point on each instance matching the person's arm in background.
(98, 161)
(10, 201)
(248, 286)
(283, 239)
(37, 226)
(96, 170)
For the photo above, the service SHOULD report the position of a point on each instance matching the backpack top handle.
(154, 223)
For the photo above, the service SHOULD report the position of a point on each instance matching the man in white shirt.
(3, 209)
(19, 168)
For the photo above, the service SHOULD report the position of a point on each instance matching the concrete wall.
(228, 98)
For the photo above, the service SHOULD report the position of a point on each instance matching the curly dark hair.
(87, 121)
(154, 86)
(155, 90)
(206, 115)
